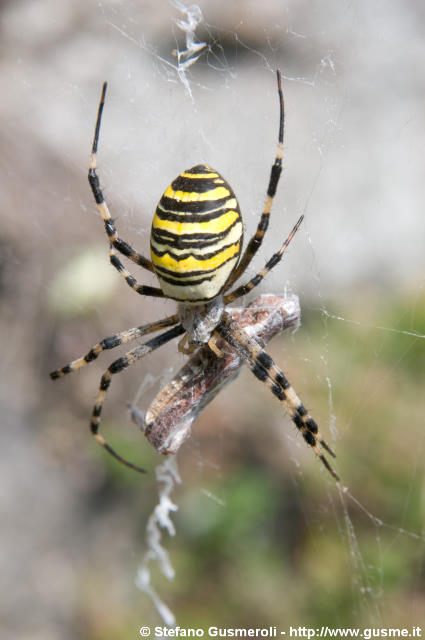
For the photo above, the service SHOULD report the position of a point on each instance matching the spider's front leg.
(265, 369)
(116, 367)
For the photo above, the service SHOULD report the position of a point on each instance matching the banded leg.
(256, 240)
(276, 257)
(116, 367)
(142, 289)
(115, 242)
(111, 342)
(264, 368)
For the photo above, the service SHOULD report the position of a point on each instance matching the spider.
(196, 254)
(167, 423)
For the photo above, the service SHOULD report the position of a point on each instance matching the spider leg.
(276, 257)
(256, 240)
(111, 342)
(142, 289)
(116, 244)
(116, 367)
(265, 369)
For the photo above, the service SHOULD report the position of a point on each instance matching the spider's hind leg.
(116, 244)
(257, 239)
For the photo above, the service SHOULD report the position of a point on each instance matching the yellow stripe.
(187, 174)
(192, 264)
(192, 196)
(217, 225)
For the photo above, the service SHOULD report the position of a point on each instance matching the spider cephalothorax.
(196, 244)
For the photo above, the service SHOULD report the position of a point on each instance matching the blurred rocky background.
(263, 535)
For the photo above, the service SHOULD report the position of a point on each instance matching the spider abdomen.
(196, 236)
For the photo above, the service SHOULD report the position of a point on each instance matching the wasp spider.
(196, 244)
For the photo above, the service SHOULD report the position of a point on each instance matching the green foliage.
(269, 542)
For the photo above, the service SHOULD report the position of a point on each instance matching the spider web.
(193, 83)
(209, 62)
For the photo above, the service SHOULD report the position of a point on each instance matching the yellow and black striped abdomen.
(196, 236)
